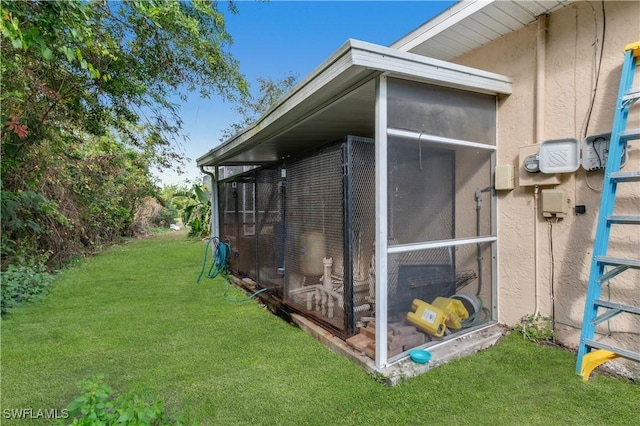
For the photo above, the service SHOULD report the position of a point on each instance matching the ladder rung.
(609, 275)
(631, 95)
(607, 260)
(605, 316)
(617, 306)
(630, 134)
(622, 352)
(626, 176)
(624, 220)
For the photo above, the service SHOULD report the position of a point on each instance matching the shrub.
(536, 328)
(99, 405)
(197, 214)
(23, 284)
(167, 216)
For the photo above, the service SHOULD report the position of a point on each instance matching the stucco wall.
(571, 67)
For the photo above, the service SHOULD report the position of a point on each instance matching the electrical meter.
(532, 163)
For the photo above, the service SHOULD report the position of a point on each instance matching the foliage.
(174, 205)
(88, 94)
(250, 107)
(21, 284)
(73, 68)
(536, 328)
(152, 216)
(98, 405)
(26, 218)
(167, 215)
(197, 213)
(84, 199)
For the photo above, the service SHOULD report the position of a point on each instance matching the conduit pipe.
(541, 53)
(535, 249)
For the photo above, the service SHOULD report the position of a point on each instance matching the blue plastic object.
(420, 356)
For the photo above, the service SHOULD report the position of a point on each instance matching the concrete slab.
(450, 348)
(404, 369)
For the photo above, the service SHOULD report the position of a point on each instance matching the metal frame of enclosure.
(367, 185)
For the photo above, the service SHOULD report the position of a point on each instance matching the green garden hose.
(220, 266)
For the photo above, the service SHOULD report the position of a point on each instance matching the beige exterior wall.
(571, 64)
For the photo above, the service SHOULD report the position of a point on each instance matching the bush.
(536, 328)
(23, 284)
(197, 213)
(98, 405)
(167, 216)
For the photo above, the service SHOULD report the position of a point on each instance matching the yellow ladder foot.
(593, 359)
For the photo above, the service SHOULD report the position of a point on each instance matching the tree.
(87, 95)
(250, 107)
(73, 68)
(197, 210)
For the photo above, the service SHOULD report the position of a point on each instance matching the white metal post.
(494, 245)
(215, 222)
(381, 221)
(215, 205)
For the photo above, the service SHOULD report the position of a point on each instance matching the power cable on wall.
(597, 57)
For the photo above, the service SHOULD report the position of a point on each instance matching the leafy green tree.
(87, 94)
(73, 68)
(197, 211)
(250, 107)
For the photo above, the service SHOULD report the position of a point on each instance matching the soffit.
(468, 25)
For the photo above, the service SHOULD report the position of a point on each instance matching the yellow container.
(428, 318)
(454, 310)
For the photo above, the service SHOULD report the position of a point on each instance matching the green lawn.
(136, 315)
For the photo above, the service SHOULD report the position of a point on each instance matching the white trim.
(248, 138)
(354, 62)
(440, 23)
(405, 248)
(466, 25)
(436, 71)
(439, 139)
(382, 232)
(494, 246)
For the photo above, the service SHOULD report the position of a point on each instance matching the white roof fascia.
(440, 23)
(352, 61)
(435, 71)
(336, 64)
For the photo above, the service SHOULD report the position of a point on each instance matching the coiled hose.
(220, 266)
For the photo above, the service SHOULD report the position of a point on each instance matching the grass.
(136, 315)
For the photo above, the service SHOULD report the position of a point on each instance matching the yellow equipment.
(434, 318)
(455, 310)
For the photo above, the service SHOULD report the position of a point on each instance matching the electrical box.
(528, 178)
(595, 152)
(504, 178)
(554, 203)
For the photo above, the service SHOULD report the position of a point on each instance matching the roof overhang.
(469, 24)
(337, 99)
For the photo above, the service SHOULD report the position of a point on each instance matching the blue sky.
(276, 38)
